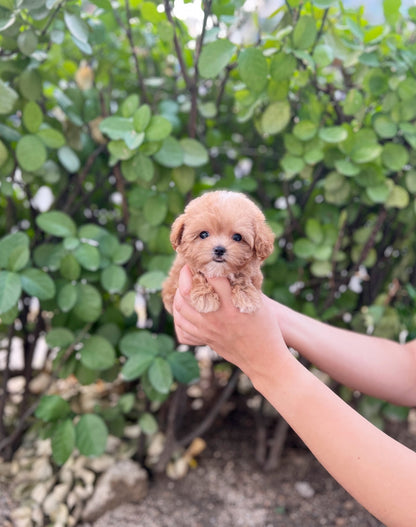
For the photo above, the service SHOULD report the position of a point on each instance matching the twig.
(122, 190)
(129, 34)
(52, 17)
(176, 43)
(279, 439)
(210, 418)
(6, 375)
(81, 178)
(22, 424)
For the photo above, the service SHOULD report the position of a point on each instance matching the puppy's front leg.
(203, 296)
(245, 296)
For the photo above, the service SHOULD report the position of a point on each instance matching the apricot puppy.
(220, 234)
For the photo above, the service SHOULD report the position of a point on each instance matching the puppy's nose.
(219, 250)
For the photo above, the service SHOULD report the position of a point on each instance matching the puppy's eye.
(237, 237)
(204, 234)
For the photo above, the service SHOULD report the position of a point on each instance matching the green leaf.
(214, 58)
(32, 117)
(59, 338)
(314, 231)
(305, 130)
(184, 178)
(155, 210)
(407, 89)
(366, 153)
(333, 134)
(9, 243)
(160, 375)
(4, 154)
(152, 280)
(391, 9)
(98, 353)
(184, 366)
(378, 193)
(130, 105)
(394, 156)
(30, 84)
(305, 33)
(304, 248)
(282, 66)
(91, 435)
(346, 168)
(57, 223)
(116, 127)
(148, 423)
(113, 279)
(37, 283)
(158, 129)
(323, 55)
(170, 154)
(89, 303)
(253, 68)
(398, 198)
(275, 118)
(122, 254)
(51, 138)
(10, 290)
(137, 364)
(292, 165)
(69, 159)
(69, 267)
(8, 98)
(323, 4)
(195, 154)
(384, 126)
(353, 102)
(52, 408)
(19, 258)
(31, 153)
(139, 167)
(141, 118)
(77, 27)
(63, 441)
(138, 341)
(88, 256)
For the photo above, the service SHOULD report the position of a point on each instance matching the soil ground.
(228, 489)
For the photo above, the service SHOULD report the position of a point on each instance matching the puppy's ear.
(177, 231)
(264, 240)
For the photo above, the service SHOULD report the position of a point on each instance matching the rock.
(101, 463)
(123, 482)
(304, 489)
(21, 517)
(40, 383)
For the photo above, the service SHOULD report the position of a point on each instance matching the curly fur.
(222, 215)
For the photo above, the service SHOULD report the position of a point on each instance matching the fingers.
(185, 280)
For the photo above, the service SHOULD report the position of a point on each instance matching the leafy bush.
(113, 115)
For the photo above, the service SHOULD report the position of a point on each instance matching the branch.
(177, 45)
(81, 178)
(129, 34)
(122, 190)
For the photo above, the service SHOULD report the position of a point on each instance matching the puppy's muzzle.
(218, 253)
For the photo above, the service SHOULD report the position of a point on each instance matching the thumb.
(223, 288)
(185, 280)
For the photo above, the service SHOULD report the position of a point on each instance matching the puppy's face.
(220, 233)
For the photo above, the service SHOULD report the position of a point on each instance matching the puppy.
(220, 234)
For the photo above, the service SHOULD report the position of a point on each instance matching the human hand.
(252, 341)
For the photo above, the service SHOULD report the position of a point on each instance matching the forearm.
(375, 366)
(372, 467)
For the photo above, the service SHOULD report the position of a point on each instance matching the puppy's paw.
(205, 302)
(246, 300)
